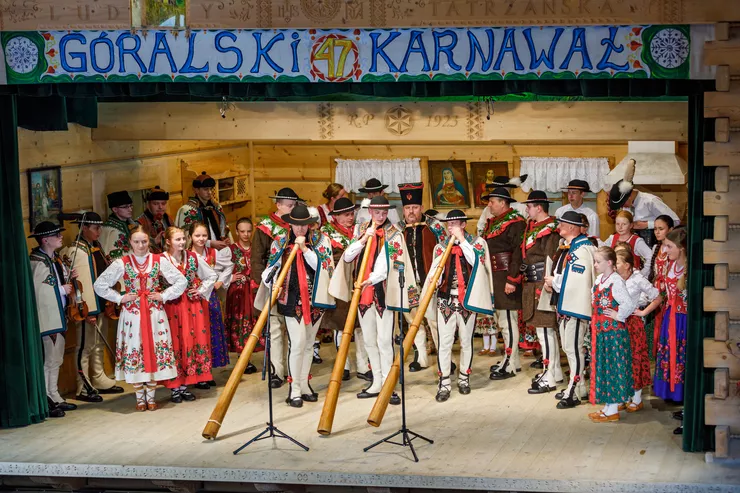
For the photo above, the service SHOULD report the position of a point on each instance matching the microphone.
(271, 275)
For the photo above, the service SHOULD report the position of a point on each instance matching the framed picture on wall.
(44, 195)
(449, 184)
(483, 173)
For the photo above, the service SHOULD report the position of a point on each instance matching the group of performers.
(166, 283)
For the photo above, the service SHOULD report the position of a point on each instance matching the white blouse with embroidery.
(104, 284)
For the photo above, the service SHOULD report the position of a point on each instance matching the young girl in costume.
(660, 262)
(240, 313)
(188, 316)
(642, 252)
(671, 358)
(611, 368)
(144, 354)
(220, 261)
(640, 289)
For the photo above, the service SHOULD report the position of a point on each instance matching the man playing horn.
(340, 230)
(269, 229)
(422, 232)
(381, 292)
(303, 298)
(373, 188)
(465, 289)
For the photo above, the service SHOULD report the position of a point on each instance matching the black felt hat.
(285, 193)
(300, 216)
(118, 199)
(537, 197)
(621, 191)
(411, 193)
(506, 182)
(379, 202)
(372, 185)
(455, 215)
(157, 193)
(204, 181)
(343, 205)
(500, 192)
(89, 218)
(44, 229)
(572, 217)
(581, 185)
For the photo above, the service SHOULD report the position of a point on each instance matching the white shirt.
(363, 216)
(593, 218)
(647, 207)
(309, 256)
(380, 268)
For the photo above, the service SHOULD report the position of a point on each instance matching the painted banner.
(336, 55)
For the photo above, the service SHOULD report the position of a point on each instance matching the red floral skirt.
(191, 341)
(640, 359)
(240, 317)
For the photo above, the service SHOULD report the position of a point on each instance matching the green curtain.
(23, 392)
(698, 381)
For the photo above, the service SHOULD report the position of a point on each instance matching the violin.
(77, 310)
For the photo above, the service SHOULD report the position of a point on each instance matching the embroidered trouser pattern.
(508, 322)
(378, 337)
(572, 332)
(451, 317)
(300, 355)
(550, 356)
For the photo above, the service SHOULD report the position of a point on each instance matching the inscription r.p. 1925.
(31, 15)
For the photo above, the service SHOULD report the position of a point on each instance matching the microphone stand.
(271, 431)
(405, 433)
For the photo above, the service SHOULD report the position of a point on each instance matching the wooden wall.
(93, 166)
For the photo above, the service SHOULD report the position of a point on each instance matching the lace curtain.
(353, 173)
(553, 173)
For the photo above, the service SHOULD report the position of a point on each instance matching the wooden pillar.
(722, 251)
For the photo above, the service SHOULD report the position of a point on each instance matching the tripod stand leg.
(416, 435)
(280, 434)
(383, 440)
(258, 437)
(407, 441)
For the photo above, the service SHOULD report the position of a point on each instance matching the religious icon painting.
(482, 174)
(449, 184)
(44, 195)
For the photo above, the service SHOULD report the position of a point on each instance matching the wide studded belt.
(500, 261)
(533, 272)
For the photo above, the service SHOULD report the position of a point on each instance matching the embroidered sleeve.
(623, 298)
(178, 283)
(646, 253)
(646, 287)
(224, 266)
(208, 278)
(380, 269)
(103, 286)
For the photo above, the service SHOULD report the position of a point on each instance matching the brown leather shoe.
(152, 406)
(483, 352)
(603, 418)
(623, 406)
(633, 408)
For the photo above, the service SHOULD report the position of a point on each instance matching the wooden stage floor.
(496, 438)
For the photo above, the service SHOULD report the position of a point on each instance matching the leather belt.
(533, 272)
(500, 261)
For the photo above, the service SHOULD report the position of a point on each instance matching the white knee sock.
(637, 398)
(486, 342)
(151, 387)
(140, 393)
(611, 409)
